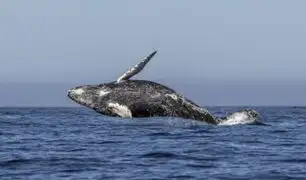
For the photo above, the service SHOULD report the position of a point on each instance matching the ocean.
(77, 143)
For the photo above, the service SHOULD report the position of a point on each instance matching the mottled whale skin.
(138, 98)
(141, 98)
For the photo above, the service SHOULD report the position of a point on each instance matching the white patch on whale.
(173, 96)
(103, 93)
(78, 91)
(156, 95)
(121, 110)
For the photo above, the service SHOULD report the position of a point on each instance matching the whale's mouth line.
(70, 96)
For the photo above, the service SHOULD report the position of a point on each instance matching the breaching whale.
(141, 98)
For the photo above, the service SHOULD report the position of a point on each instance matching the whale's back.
(144, 85)
(146, 98)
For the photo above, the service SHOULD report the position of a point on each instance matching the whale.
(136, 98)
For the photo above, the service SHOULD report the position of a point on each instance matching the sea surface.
(77, 143)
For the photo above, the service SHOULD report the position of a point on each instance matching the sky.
(215, 52)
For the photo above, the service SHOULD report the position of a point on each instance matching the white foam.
(238, 118)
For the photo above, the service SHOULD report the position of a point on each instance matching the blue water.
(77, 143)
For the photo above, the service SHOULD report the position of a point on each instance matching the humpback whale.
(129, 98)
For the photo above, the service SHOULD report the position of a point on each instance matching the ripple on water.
(75, 143)
(160, 155)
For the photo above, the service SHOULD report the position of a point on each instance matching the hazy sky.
(253, 42)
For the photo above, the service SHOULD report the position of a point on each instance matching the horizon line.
(204, 106)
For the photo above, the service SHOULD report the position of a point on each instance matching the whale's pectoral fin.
(136, 69)
(120, 110)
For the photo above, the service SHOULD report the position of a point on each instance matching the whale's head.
(91, 96)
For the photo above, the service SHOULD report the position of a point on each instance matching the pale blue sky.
(222, 42)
